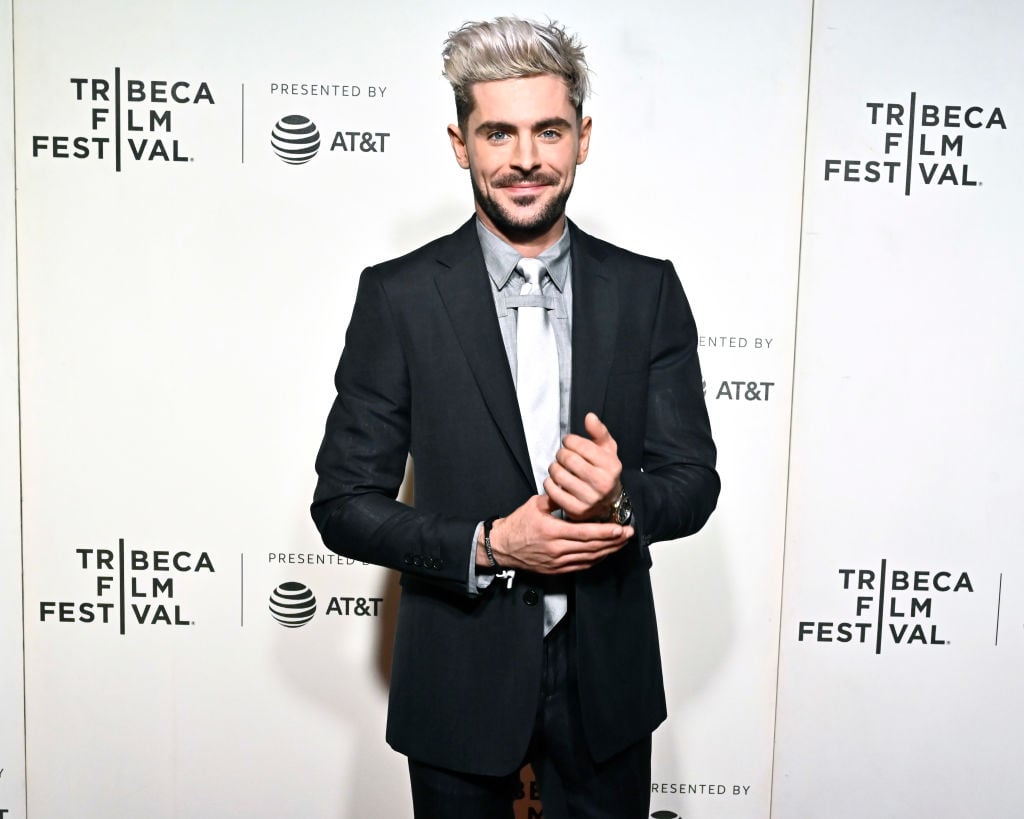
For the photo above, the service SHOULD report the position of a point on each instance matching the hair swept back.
(508, 48)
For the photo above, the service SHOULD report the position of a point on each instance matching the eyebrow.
(496, 125)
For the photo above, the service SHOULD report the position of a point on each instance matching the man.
(555, 417)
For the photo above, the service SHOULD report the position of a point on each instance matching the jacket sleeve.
(361, 462)
(676, 487)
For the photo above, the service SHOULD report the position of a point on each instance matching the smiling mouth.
(525, 190)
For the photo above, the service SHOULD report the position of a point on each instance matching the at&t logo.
(295, 139)
(292, 604)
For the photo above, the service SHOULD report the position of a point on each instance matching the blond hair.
(508, 48)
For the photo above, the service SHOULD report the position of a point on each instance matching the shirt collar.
(501, 258)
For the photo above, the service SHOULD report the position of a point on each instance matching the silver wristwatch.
(622, 510)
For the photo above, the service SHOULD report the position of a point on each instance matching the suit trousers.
(572, 785)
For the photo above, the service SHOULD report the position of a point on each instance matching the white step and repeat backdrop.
(902, 645)
(182, 295)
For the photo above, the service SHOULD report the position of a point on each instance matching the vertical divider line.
(21, 463)
(881, 609)
(999, 606)
(241, 585)
(120, 578)
(910, 142)
(243, 123)
(117, 121)
(792, 394)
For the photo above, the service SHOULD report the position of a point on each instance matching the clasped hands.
(583, 481)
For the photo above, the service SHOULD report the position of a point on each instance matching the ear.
(584, 143)
(459, 146)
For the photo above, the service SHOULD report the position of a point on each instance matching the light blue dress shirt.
(506, 282)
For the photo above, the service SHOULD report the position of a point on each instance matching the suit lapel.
(595, 318)
(462, 282)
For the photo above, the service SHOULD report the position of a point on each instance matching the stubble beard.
(522, 228)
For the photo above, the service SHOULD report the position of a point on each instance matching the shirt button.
(530, 597)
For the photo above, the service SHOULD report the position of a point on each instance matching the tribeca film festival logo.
(296, 140)
(132, 587)
(128, 121)
(293, 604)
(921, 144)
(889, 607)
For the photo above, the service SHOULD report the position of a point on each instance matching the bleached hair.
(508, 48)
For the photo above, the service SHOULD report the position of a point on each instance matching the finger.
(593, 534)
(584, 448)
(579, 562)
(578, 509)
(596, 429)
(588, 483)
(572, 551)
(572, 505)
(573, 557)
(583, 459)
(575, 451)
(581, 488)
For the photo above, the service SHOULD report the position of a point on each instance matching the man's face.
(521, 145)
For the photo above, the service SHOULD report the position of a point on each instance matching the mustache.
(508, 180)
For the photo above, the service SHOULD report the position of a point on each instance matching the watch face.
(623, 510)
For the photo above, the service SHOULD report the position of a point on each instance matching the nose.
(525, 157)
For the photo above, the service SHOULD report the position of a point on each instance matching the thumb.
(596, 429)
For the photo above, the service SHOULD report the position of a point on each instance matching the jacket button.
(530, 597)
(417, 560)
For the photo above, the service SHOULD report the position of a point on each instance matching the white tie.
(537, 374)
(537, 387)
